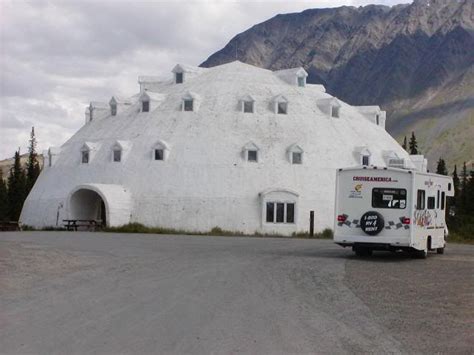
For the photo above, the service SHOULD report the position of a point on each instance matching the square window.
(280, 212)
(252, 155)
(85, 157)
(301, 81)
(146, 106)
(431, 202)
(248, 106)
(297, 158)
(117, 155)
(334, 111)
(282, 108)
(188, 105)
(270, 212)
(290, 213)
(159, 154)
(179, 78)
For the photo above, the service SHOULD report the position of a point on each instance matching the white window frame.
(275, 196)
(163, 146)
(250, 146)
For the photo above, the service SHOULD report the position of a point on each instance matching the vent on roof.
(396, 163)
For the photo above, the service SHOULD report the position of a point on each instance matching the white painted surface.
(204, 182)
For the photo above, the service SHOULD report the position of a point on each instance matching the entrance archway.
(88, 204)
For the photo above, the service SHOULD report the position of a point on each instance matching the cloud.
(56, 56)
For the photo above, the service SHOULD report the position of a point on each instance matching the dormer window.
(160, 151)
(377, 119)
(145, 106)
(251, 152)
(248, 106)
(188, 104)
(335, 111)
(280, 105)
(295, 154)
(85, 157)
(117, 155)
(282, 108)
(301, 81)
(365, 160)
(179, 78)
(113, 110)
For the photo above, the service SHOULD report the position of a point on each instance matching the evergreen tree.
(470, 194)
(456, 183)
(463, 193)
(404, 145)
(16, 189)
(413, 145)
(441, 168)
(3, 199)
(32, 166)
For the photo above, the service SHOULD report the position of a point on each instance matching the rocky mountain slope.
(415, 60)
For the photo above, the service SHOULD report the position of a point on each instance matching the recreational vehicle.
(391, 209)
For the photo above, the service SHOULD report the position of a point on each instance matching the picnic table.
(73, 224)
(9, 226)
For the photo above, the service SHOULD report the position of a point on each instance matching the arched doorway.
(87, 204)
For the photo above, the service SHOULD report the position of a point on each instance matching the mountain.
(414, 60)
(7, 164)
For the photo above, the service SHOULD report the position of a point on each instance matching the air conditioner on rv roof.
(396, 163)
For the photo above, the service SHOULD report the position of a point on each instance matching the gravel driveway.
(81, 293)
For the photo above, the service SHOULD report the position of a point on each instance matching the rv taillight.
(406, 220)
(341, 218)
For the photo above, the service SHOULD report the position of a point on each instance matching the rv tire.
(421, 254)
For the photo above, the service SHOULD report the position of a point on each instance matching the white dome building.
(236, 147)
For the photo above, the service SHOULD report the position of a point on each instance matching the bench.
(89, 224)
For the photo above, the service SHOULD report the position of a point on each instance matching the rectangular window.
(443, 200)
(248, 106)
(280, 213)
(334, 111)
(420, 200)
(179, 78)
(117, 155)
(188, 105)
(301, 81)
(159, 154)
(252, 155)
(297, 158)
(145, 106)
(113, 110)
(365, 160)
(282, 108)
(437, 200)
(377, 119)
(389, 198)
(290, 213)
(85, 157)
(270, 211)
(431, 202)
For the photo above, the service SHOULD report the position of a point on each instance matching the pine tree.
(470, 194)
(3, 199)
(413, 145)
(456, 183)
(404, 145)
(463, 192)
(441, 168)
(32, 166)
(16, 189)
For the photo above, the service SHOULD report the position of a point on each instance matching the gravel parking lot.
(69, 293)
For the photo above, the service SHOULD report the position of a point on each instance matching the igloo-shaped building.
(237, 147)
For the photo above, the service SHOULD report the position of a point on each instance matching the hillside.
(414, 60)
(7, 164)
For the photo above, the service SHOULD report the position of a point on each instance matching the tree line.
(20, 181)
(460, 208)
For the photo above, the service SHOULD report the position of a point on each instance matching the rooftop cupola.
(374, 114)
(96, 110)
(293, 76)
(117, 105)
(330, 106)
(182, 72)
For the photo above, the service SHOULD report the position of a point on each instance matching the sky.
(57, 56)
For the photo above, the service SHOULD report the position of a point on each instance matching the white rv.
(391, 209)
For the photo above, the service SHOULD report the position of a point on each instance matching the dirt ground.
(104, 293)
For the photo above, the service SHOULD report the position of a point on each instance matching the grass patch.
(325, 234)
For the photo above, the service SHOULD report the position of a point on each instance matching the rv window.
(442, 200)
(420, 200)
(449, 186)
(431, 202)
(389, 198)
